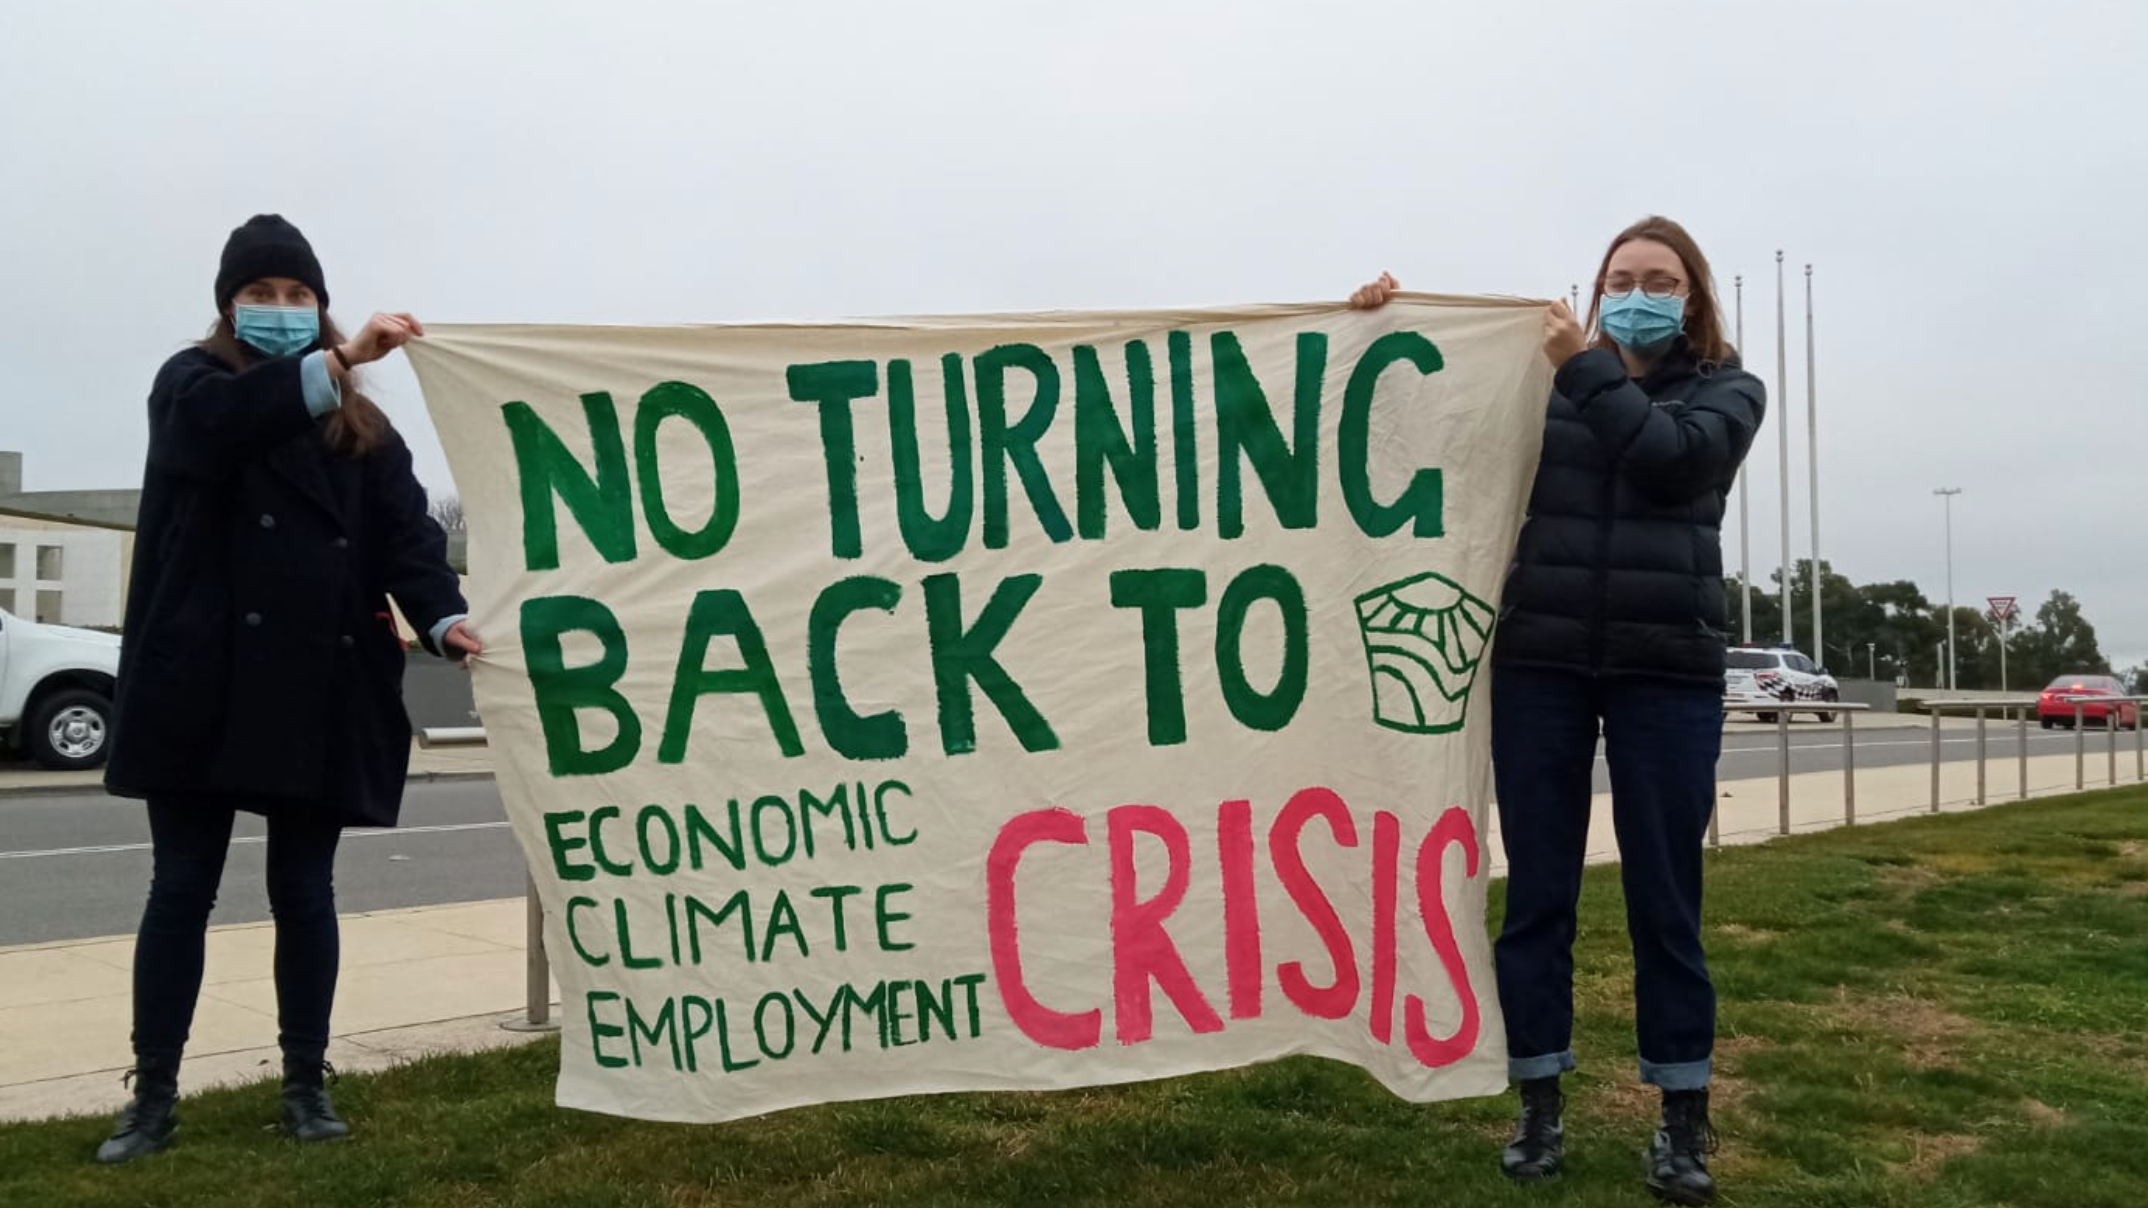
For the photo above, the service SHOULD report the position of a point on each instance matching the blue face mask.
(1640, 323)
(277, 330)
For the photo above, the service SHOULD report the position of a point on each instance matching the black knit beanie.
(267, 246)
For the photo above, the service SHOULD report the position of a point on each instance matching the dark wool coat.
(260, 667)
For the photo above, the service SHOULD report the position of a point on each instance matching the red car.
(2093, 696)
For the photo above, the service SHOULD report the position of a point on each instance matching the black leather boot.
(1539, 1136)
(1678, 1160)
(307, 1113)
(146, 1124)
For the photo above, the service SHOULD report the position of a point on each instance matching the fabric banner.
(1008, 702)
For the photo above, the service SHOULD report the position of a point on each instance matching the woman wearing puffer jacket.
(1613, 625)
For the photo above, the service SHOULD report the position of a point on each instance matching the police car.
(1766, 675)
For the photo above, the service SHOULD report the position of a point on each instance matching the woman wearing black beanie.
(261, 671)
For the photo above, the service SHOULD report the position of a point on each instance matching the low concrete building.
(106, 508)
(64, 555)
(64, 572)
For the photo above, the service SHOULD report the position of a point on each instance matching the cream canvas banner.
(998, 702)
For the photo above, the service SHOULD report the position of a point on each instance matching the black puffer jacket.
(1619, 571)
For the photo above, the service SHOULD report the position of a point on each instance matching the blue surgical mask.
(1640, 323)
(277, 330)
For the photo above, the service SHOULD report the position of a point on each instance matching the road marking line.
(104, 849)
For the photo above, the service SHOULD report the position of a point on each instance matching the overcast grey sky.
(1970, 180)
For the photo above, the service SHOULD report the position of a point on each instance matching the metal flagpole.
(1782, 388)
(1745, 505)
(1951, 679)
(1812, 434)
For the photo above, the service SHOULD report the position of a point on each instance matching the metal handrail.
(2021, 705)
(538, 1009)
(1782, 711)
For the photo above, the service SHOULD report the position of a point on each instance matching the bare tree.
(447, 511)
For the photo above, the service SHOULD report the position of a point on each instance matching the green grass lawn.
(1933, 1012)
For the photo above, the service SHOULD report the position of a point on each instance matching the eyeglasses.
(1659, 286)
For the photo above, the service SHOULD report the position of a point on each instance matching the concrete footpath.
(446, 978)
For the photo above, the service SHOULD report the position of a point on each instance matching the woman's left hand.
(462, 645)
(381, 335)
(1563, 338)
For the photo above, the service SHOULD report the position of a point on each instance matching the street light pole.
(1953, 668)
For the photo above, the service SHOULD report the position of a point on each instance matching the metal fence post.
(2080, 748)
(2140, 755)
(537, 990)
(2110, 731)
(1935, 757)
(1782, 747)
(1849, 767)
(2023, 725)
(1982, 798)
(537, 985)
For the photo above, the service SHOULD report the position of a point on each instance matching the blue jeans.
(188, 842)
(1662, 741)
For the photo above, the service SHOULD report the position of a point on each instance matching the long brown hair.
(1704, 315)
(352, 430)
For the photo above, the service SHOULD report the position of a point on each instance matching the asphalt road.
(77, 865)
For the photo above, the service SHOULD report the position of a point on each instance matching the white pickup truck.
(56, 692)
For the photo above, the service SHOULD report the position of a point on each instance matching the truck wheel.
(71, 730)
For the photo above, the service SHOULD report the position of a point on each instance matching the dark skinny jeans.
(189, 839)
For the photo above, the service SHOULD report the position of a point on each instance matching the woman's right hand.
(1563, 337)
(381, 335)
(1375, 295)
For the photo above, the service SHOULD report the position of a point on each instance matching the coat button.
(253, 620)
(349, 641)
(341, 543)
(267, 521)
